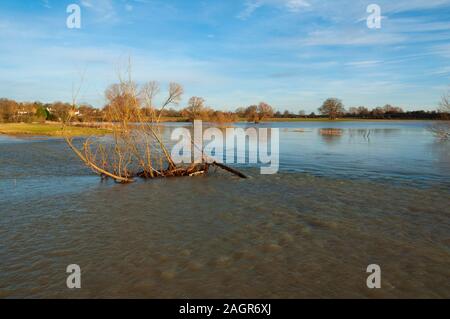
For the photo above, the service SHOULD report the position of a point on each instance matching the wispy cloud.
(46, 4)
(105, 10)
(445, 71)
(250, 7)
(296, 5)
(290, 5)
(351, 37)
(441, 50)
(410, 5)
(364, 63)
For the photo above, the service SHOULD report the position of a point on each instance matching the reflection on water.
(289, 235)
(441, 152)
(391, 151)
(331, 135)
(395, 152)
(365, 134)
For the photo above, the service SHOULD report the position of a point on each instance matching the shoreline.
(54, 129)
(48, 130)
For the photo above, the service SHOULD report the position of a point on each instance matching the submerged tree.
(135, 147)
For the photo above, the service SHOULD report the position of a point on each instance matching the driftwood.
(231, 170)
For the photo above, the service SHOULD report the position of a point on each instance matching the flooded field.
(366, 193)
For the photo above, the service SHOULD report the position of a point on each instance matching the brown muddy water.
(297, 234)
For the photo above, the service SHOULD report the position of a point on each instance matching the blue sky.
(292, 54)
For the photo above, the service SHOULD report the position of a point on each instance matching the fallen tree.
(135, 148)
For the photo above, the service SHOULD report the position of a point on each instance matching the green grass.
(48, 130)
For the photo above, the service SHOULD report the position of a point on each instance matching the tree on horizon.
(333, 108)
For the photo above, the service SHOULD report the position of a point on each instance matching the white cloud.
(250, 7)
(99, 5)
(296, 5)
(46, 3)
(409, 5)
(13, 31)
(104, 9)
(442, 50)
(290, 5)
(351, 37)
(441, 72)
(363, 63)
(86, 3)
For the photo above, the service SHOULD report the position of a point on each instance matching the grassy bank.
(48, 130)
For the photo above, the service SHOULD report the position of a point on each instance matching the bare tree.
(442, 129)
(251, 113)
(444, 105)
(9, 110)
(364, 111)
(135, 147)
(195, 108)
(257, 113)
(264, 111)
(332, 107)
(392, 109)
(240, 112)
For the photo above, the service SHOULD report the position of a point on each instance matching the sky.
(292, 54)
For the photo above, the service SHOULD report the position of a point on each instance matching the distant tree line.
(12, 111)
(332, 108)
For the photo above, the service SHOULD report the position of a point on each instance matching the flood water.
(348, 194)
